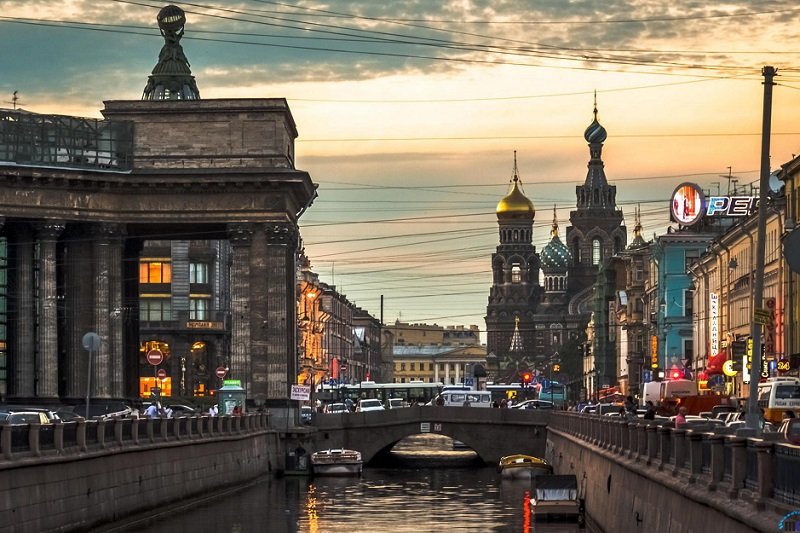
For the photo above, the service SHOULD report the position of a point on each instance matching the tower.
(515, 290)
(555, 260)
(596, 232)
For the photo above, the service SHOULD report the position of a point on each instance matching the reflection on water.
(413, 496)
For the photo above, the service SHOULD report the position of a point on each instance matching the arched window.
(516, 274)
(597, 252)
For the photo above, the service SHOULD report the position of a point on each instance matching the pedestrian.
(788, 414)
(503, 404)
(680, 418)
(212, 411)
(168, 411)
(495, 405)
(237, 410)
(151, 411)
(466, 403)
(650, 414)
(440, 400)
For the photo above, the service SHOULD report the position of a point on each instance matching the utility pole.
(753, 414)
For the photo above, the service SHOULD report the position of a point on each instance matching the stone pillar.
(78, 299)
(47, 334)
(766, 472)
(695, 441)
(717, 459)
(641, 450)
(102, 364)
(738, 447)
(633, 440)
(240, 239)
(679, 447)
(21, 313)
(281, 317)
(116, 312)
(652, 443)
(665, 438)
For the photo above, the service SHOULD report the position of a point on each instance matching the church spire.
(554, 227)
(516, 338)
(171, 78)
(596, 193)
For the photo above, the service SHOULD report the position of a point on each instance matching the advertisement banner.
(713, 308)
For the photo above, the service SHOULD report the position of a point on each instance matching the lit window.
(198, 309)
(198, 273)
(597, 253)
(516, 274)
(155, 272)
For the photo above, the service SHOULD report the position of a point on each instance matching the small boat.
(336, 462)
(523, 467)
(556, 497)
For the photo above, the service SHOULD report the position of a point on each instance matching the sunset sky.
(409, 112)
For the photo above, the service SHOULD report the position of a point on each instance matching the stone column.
(102, 365)
(116, 311)
(665, 435)
(21, 312)
(679, 447)
(47, 334)
(641, 450)
(240, 239)
(717, 459)
(738, 447)
(695, 441)
(78, 300)
(766, 472)
(281, 319)
(652, 443)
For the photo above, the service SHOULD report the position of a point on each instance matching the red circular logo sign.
(221, 372)
(688, 204)
(162, 374)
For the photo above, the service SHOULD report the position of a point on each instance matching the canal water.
(426, 486)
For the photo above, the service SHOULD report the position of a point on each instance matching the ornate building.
(551, 319)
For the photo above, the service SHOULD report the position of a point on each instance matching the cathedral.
(540, 302)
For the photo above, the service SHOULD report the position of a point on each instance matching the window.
(198, 273)
(402, 366)
(430, 367)
(688, 351)
(516, 274)
(155, 272)
(688, 305)
(198, 309)
(413, 366)
(155, 309)
(597, 252)
(691, 257)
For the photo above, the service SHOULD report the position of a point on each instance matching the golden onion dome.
(515, 204)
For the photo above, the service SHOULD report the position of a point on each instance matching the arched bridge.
(492, 433)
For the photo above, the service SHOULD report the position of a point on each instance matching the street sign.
(332, 382)
(162, 374)
(761, 316)
(469, 382)
(155, 357)
(301, 392)
(685, 362)
(221, 372)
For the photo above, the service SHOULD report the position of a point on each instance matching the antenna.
(14, 100)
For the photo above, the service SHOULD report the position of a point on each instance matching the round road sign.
(162, 374)
(155, 357)
(220, 372)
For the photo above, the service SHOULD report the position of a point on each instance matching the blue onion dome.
(515, 204)
(555, 255)
(595, 133)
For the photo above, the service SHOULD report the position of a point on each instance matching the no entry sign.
(220, 372)
(155, 357)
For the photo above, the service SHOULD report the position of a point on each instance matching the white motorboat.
(336, 462)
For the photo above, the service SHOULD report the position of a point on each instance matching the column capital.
(281, 233)
(240, 234)
(107, 230)
(49, 230)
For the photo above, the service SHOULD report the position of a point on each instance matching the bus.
(777, 395)
(554, 392)
(511, 391)
(413, 392)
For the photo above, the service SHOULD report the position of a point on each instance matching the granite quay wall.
(78, 475)
(640, 476)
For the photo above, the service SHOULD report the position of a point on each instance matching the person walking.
(680, 418)
(212, 411)
(151, 411)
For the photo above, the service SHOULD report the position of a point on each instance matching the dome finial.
(554, 228)
(516, 172)
(595, 105)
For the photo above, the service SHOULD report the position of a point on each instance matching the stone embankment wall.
(637, 476)
(72, 477)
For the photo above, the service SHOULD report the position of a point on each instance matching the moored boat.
(556, 497)
(336, 462)
(523, 467)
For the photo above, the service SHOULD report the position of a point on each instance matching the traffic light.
(527, 377)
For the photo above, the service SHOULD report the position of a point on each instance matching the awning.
(715, 363)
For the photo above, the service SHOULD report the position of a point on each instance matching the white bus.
(777, 395)
(466, 398)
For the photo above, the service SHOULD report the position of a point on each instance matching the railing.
(73, 438)
(762, 470)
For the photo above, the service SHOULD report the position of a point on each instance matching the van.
(651, 391)
(677, 388)
(459, 398)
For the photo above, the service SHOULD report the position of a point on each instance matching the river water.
(425, 487)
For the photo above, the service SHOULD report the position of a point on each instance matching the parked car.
(48, 415)
(336, 408)
(395, 403)
(369, 404)
(104, 409)
(24, 417)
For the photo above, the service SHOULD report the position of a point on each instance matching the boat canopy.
(555, 487)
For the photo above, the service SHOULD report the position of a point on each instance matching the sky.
(409, 113)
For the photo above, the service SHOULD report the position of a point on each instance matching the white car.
(370, 404)
(395, 403)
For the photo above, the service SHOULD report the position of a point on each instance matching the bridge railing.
(22, 441)
(764, 470)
